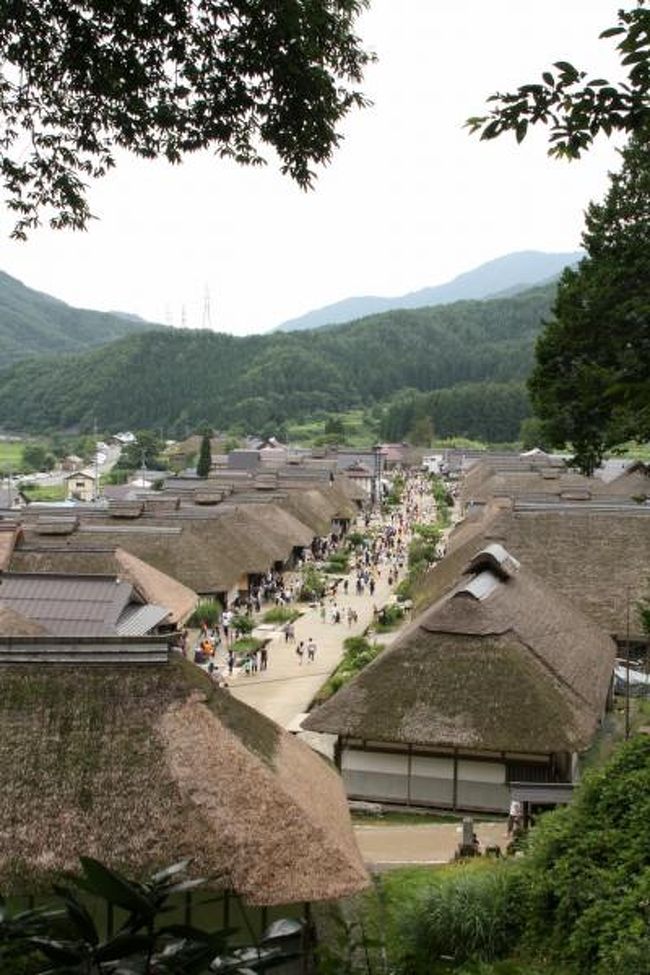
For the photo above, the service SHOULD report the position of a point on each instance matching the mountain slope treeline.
(182, 378)
(32, 323)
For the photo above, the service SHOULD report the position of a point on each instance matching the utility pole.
(96, 491)
(627, 663)
(206, 318)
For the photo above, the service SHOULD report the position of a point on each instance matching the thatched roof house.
(142, 766)
(598, 557)
(502, 679)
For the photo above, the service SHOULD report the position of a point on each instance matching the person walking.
(300, 651)
(231, 662)
(311, 651)
(264, 658)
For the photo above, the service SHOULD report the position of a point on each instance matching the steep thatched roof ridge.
(310, 507)
(157, 587)
(14, 624)
(509, 666)
(563, 639)
(141, 767)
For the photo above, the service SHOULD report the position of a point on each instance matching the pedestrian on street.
(300, 650)
(311, 651)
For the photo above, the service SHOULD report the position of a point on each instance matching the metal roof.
(67, 605)
(140, 620)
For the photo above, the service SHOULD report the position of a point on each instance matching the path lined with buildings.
(285, 690)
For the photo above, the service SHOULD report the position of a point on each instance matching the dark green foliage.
(205, 457)
(68, 941)
(591, 384)
(358, 653)
(178, 378)
(314, 585)
(472, 915)
(165, 79)
(589, 871)
(143, 453)
(242, 624)
(487, 411)
(338, 562)
(35, 457)
(574, 106)
(389, 617)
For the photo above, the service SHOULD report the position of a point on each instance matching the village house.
(140, 760)
(81, 485)
(501, 681)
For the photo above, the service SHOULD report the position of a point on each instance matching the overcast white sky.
(409, 201)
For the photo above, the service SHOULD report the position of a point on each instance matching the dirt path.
(401, 845)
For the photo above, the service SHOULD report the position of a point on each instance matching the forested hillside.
(32, 323)
(179, 378)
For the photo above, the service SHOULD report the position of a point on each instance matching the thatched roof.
(503, 663)
(140, 767)
(633, 482)
(594, 557)
(9, 534)
(156, 587)
(541, 482)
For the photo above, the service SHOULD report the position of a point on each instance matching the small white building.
(81, 486)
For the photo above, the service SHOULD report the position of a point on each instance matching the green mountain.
(181, 378)
(32, 323)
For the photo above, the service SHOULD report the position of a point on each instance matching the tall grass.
(474, 915)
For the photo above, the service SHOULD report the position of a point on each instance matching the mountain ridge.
(504, 276)
(183, 377)
(33, 323)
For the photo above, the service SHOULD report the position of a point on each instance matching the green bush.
(389, 617)
(314, 585)
(207, 611)
(430, 532)
(471, 915)
(589, 871)
(281, 614)
(245, 645)
(356, 540)
(242, 624)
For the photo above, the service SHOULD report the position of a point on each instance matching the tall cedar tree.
(205, 457)
(591, 384)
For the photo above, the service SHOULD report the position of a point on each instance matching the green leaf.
(113, 888)
(63, 952)
(611, 32)
(171, 871)
(124, 945)
(78, 915)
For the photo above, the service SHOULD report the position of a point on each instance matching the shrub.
(430, 532)
(389, 617)
(471, 915)
(242, 624)
(207, 611)
(356, 540)
(314, 584)
(281, 614)
(245, 645)
(589, 866)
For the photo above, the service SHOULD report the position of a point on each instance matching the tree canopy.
(591, 384)
(575, 107)
(81, 79)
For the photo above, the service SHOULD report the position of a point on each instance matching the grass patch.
(281, 614)
(44, 492)
(358, 652)
(248, 644)
(11, 454)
